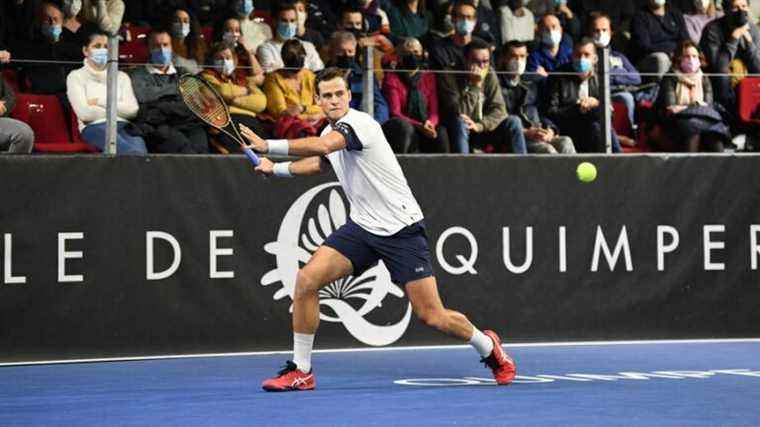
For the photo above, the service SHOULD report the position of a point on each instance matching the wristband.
(282, 170)
(278, 147)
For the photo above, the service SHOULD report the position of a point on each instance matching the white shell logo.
(294, 247)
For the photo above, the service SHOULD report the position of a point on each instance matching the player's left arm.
(301, 147)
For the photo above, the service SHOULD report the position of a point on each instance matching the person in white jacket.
(86, 90)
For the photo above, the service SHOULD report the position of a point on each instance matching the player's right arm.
(307, 166)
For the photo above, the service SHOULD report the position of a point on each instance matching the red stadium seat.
(45, 115)
(748, 97)
(620, 119)
(134, 52)
(137, 33)
(263, 16)
(208, 34)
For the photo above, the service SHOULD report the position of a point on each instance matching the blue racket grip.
(252, 156)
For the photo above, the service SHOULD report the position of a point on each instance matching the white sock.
(302, 345)
(481, 342)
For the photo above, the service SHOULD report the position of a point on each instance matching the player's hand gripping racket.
(206, 103)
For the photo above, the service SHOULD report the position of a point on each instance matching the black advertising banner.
(129, 256)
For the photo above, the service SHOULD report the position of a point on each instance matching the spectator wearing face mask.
(239, 90)
(441, 27)
(106, 14)
(75, 29)
(413, 101)
(344, 55)
(187, 43)
(352, 20)
(164, 121)
(286, 24)
(473, 107)
(623, 75)
(656, 30)
(727, 40)
(449, 53)
(521, 97)
(302, 31)
(409, 18)
(230, 33)
(686, 105)
(574, 101)
(48, 45)
(517, 22)
(254, 33)
(571, 24)
(555, 49)
(87, 94)
(702, 13)
(290, 94)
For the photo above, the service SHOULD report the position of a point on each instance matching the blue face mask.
(286, 31)
(99, 56)
(161, 56)
(53, 32)
(464, 27)
(246, 7)
(582, 65)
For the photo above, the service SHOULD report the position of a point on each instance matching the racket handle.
(252, 156)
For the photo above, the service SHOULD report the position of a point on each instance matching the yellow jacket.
(235, 95)
(280, 95)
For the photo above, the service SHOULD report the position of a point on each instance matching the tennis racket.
(206, 103)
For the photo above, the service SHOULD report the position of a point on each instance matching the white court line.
(373, 349)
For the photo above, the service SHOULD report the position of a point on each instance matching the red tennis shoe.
(290, 379)
(501, 364)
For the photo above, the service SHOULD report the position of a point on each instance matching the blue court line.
(690, 383)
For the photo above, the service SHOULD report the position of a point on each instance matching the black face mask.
(293, 61)
(346, 62)
(739, 18)
(411, 61)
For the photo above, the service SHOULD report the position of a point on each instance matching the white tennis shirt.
(381, 200)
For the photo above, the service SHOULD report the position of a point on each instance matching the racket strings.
(204, 102)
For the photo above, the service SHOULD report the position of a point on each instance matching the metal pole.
(605, 107)
(368, 83)
(112, 94)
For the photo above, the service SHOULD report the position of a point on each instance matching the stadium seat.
(138, 33)
(46, 117)
(262, 16)
(134, 52)
(208, 34)
(748, 97)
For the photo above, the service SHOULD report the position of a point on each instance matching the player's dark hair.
(331, 73)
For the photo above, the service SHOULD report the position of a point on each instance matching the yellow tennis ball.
(586, 172)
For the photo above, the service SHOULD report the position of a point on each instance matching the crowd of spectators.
(462, 76)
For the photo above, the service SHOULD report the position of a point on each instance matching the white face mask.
(659, 3)
(602, 39)
(552, 38)
(180, 29)
(226, 66)
(517, 66)
(231, 38)
(72, 7)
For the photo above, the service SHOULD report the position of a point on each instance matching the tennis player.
(385, 223)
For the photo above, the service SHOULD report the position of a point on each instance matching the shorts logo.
(306, 225)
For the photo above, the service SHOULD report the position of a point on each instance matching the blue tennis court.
(644, 383)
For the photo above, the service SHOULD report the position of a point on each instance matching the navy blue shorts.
(405, 254)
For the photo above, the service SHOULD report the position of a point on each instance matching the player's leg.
(324, 267)
(427, 305)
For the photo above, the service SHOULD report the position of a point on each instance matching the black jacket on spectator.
(720, 48)
(20, 19)
(47, 78)
(446, 55)
(564, 110)
(164, 121)
(651, 33)
(522, 100)
(488, 27)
